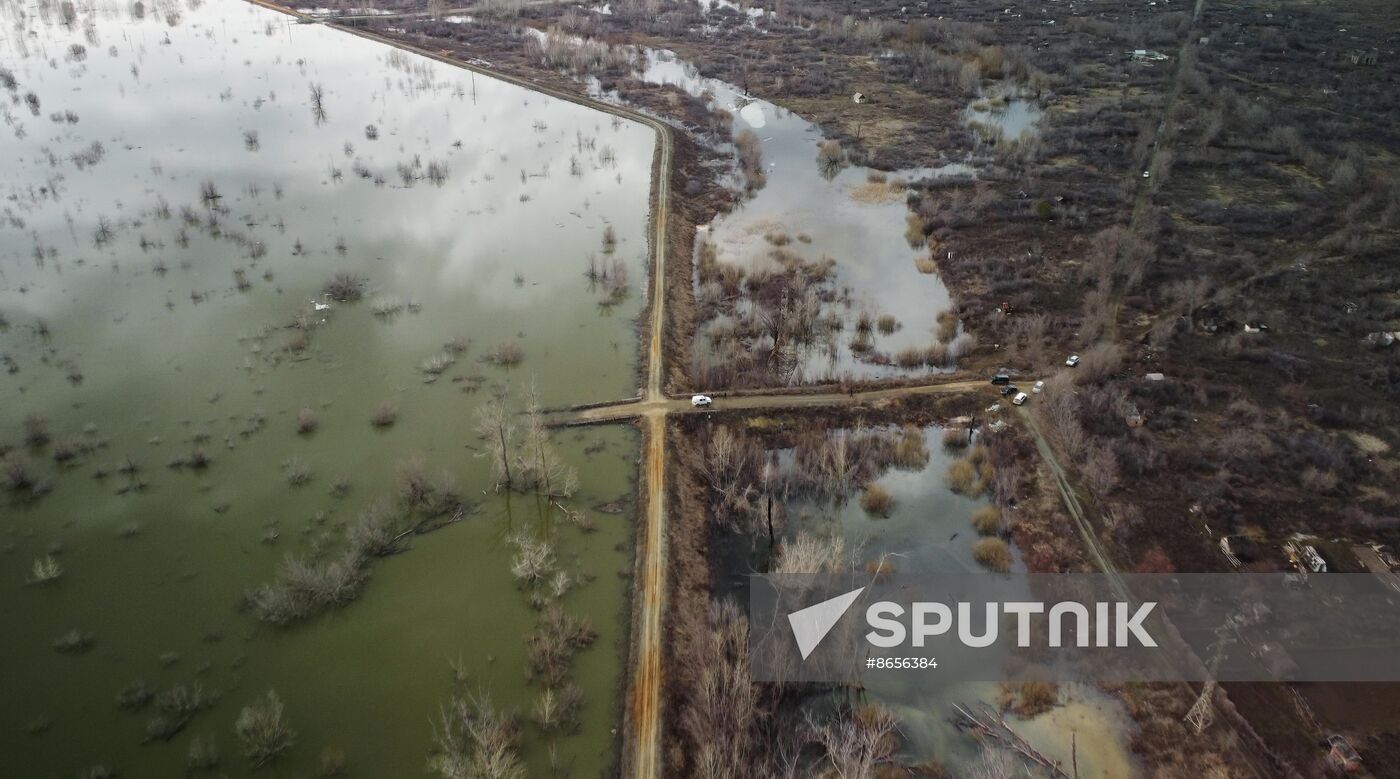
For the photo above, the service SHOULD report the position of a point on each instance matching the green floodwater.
(142, 343)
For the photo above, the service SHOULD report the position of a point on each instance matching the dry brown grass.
(955, 438)
(877, 501)
(947, 326)
(987, 520)
(972, 475)
(909, 450)
(879, 192)
(993, 553)
(1032, 698)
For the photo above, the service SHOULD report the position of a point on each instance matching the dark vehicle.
(1008, 389)
(1001, 378)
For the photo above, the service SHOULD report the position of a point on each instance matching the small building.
(858, 98)
(1155, 377)
(1341, 754)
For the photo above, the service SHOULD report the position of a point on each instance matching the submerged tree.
(260, 728)
(541, 466)
(495, 424)
(474, 741)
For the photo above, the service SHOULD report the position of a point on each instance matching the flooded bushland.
(894, 502)
(272, 298)
(811, 278)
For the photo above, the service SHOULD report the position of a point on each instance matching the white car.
(700, 400)
(1020, 398)
(1072, 361)
(1038, 387)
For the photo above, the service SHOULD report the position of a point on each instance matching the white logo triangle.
(810, 625)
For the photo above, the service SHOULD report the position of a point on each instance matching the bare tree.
(722, 714)
(495, 425)
(474, 741)
(859, 741)
(541, 467)
(727, 471)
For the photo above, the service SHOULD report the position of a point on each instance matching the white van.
(1020, 398)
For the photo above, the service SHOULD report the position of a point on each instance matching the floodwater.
(144, 319)
(837, 212)
(1004, 114)
(929, 530)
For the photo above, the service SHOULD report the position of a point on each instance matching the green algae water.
(181, 180)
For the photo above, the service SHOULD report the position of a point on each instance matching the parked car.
(1038, 387)
(1020, 398)
(700, 400)
(1001, 378)
(1009, 389)
(1072, 361)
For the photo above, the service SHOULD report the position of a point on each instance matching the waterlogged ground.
(928, 529)
(826, 209)
(174, 201)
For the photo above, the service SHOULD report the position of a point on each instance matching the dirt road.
(741, 401)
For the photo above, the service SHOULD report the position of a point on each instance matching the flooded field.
(257, 281)
(919, 511)
(877, 305)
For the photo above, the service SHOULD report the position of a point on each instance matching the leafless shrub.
(580, 56)
(306, 421)
(303, 589)
(385, 414)
(534, 558)
(474, 741)
(810, 553)
(857, 743)
(750, 160)
(261, 728)
(36, 430)
(830, 158)
(1099, 362)
(507, 354)
(344, 287)
(550, 650)
(720, 717)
